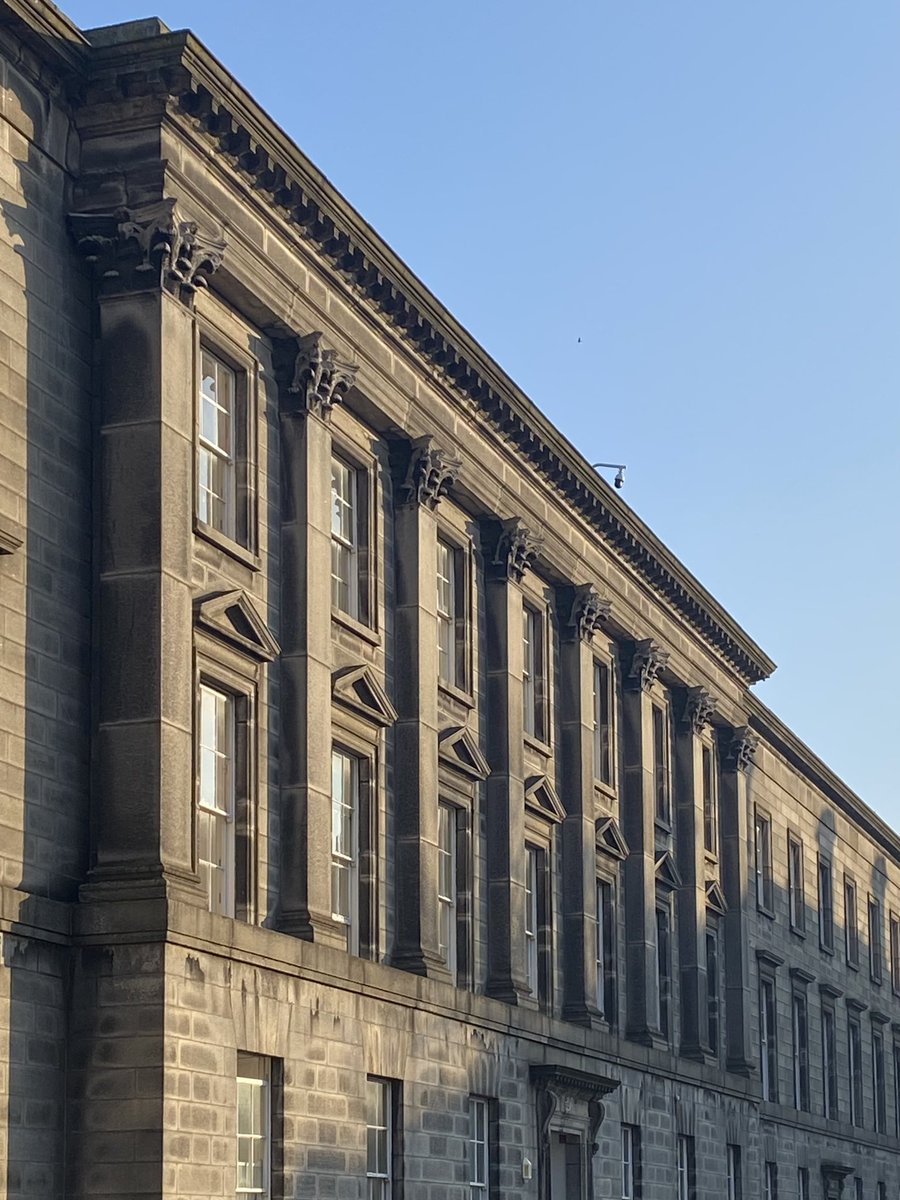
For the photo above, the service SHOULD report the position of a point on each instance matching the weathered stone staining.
(370, 776)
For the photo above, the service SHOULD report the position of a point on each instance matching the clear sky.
(707, 194)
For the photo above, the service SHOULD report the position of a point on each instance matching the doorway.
(566, 1167)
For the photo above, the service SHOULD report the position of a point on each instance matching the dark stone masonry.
(384, 811)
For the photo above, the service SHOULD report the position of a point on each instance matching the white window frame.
(825, 881)
(710, 799)
(380, 1176)
(219, 812)
(768, 1039)
(762, 837)
(661, 748)
(855, 1068)
(879, 1088)
(448, 885)
(684, 1164)
(803, 1183)
(800, 1033)
(713, 990)
(894, 937)
(532, 917)
(734, 1183)
(534, 673)
(875, 924)
(345, 776)
(604, 723)
(629, 1147)
(211, 449)
(605, 945)
(770, 1181)
(479, 1148)
(830, 1099)
(254, 1078)
(664, 968)
(796, 895)
(851, 921)
(345, 536)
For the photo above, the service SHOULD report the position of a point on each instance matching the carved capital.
(741, 748)
(648, 660)
(516, 549)
(430, 474)
(699, 707)
(312, 379)
(587, 612)
(147, 246)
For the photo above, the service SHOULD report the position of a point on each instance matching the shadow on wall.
(45, 590)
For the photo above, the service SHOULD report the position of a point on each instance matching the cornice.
(201, 91)
(773, 731)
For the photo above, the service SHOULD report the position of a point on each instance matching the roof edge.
(771, 727)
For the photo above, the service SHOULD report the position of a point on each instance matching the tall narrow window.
(770, 1181)
(803, 1183)
(851, 923)
(800, 1024)
(606, 952)
(663, 970)
(685, 1167)
(895, 953)
(447, 886)
(532, 906)
(876, 954)
(479, 1148)
(345, 844)
(346, 525)
(712, 989)
(826, 905)
(631, 1162)
(661, 764)
(216, 795)
(854, 1063)
(829, 1062)
(796, 901)
(603, 741)
(878, 1081)
(763, 848)
(216, 463)
(451, 614)
(768, 1039)
(380, 1139)
(896, 1056)
(710, 803)
(254, 1126)
(734, 1180)
(534, 673)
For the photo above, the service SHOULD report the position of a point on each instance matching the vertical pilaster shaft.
(141, 824)
(737, 758)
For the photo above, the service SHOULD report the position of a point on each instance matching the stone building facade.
(385, 811)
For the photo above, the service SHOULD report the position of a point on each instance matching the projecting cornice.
(176, 71)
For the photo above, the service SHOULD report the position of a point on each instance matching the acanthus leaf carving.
(588, 612)
(146, 246)
(742, 748)
(516, 549)
(316, 378)
(698, 708)
(648, 660)
(431, 473)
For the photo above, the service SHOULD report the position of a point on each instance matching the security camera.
(619, 469)
(620, 477)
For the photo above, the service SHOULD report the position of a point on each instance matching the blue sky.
(708, 196)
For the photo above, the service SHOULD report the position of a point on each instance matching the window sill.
(606, 791)
(765, 911)
(372, 636)
(854, 966)
(711, 858)
(798, 932)
(460, 695)
(226, 544)
(663, 826)
(536, 743)
(826, 949)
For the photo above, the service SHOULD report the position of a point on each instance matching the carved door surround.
(568, 1100)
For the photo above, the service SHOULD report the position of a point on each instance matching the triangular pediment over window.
(357, 688)
(458, 749)
(715, 897)
(666, 872)
(233, 617)
(610, 839)
(541, 799)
